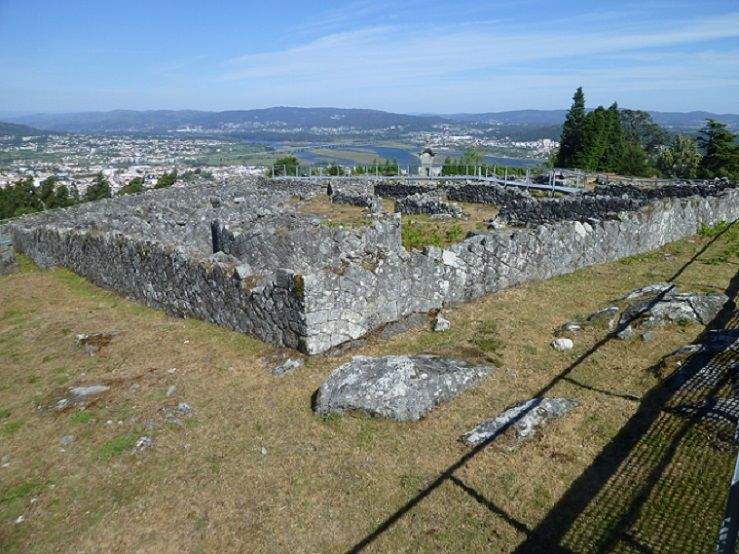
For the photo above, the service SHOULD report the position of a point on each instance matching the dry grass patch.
(334, 214)
(252, 470)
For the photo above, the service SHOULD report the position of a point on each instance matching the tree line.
(629, 142)
(23, 197)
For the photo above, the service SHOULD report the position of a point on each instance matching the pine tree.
(721, 154)
(570, 141)
(134, 186)
(593, 138)
(99, 189)
(615, 142)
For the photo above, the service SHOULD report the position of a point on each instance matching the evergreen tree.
(570, 141)
(166, 180)
(593, 136)
(62, 198)
(286, 165)
(47, 192)
(19, 199)
(633, 160)
(99, 189)
(721, 154)
(615, 143)
(134, 186)
(681, 159)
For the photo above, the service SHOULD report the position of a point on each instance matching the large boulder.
(524, 418)
(397, 387)
(674, 307)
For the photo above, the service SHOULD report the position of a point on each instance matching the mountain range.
(287, 118)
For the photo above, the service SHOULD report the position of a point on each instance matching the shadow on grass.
(608, 477)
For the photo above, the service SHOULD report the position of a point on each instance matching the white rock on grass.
(441, 324)
(287, 367)
(562, 344)
(524, 418)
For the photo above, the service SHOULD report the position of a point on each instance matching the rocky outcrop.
(404, 388)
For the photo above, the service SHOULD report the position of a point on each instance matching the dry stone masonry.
(428, 204)
(245, 256)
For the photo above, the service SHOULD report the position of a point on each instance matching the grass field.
(251, 469)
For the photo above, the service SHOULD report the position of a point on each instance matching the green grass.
(416, 234)
(487, 339)
(81, 417)
(411, 481)
(14, 498)
(10, 428)
(711, 232)
(730, 235)
(117, 446)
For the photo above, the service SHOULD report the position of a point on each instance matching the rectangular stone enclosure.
(251, 257)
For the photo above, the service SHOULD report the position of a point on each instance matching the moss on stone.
(299, 286)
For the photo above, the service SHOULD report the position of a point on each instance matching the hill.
(678, 121)
(130, 121)
(17, 130)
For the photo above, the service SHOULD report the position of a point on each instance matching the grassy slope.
(323, 483)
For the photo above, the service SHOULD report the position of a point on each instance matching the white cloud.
(397, 54)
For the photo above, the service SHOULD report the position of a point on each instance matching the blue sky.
(413, 56)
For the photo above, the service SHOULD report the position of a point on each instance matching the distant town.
(76, 159)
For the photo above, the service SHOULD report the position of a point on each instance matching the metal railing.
(505, 176)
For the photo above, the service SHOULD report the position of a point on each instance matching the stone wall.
(156, 247)
(668, 190)
(354, 193)
(170, 279)
(347, 306)
(8, 263)
(401, 190)
(482, 193)
(532, 212)
(604, 202)
(304, 243)
(428, 204)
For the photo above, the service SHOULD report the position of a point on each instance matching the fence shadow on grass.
(549, 534)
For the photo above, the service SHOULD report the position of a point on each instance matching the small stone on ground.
(287, 367)
(441, 324)
(562, 344)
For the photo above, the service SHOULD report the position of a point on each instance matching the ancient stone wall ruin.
(301, 280)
